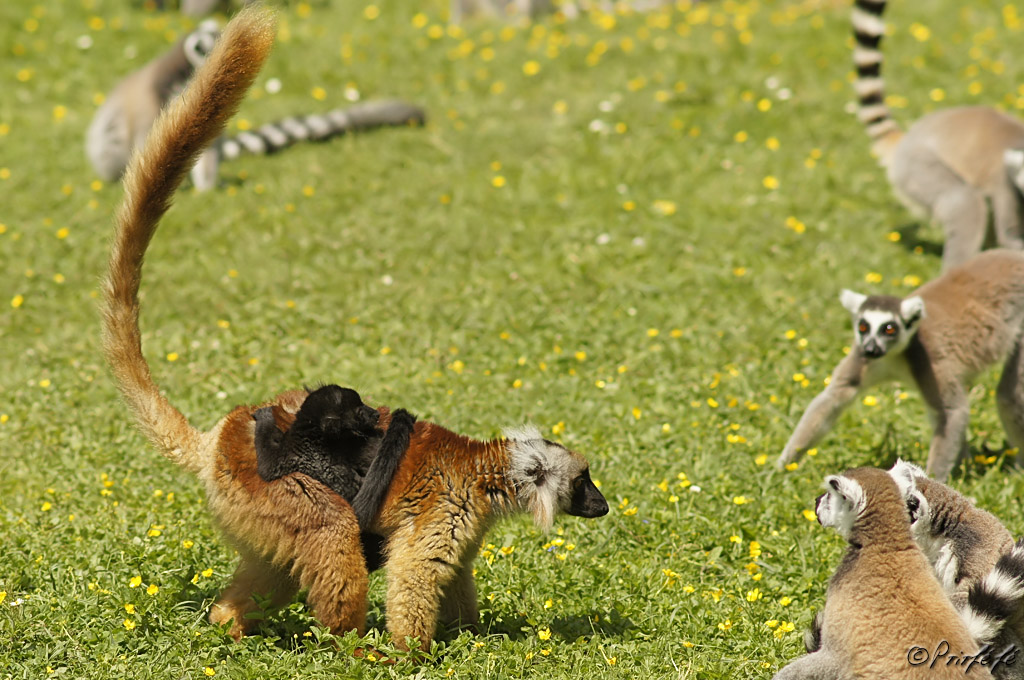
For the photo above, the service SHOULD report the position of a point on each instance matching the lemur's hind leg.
(1010, 398)
(458, 601)
(204, 172)
(949, 441)
(254, 576)
(1008, 217)
(961, 209)
(331, 566)
(963, 214)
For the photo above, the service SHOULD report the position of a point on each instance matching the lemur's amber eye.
(889, 329)
(863, 327)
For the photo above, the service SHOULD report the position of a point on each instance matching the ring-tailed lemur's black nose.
(873, 349)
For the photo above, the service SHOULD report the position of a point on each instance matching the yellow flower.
(128, 624)
(544, 633)
(762, 459)
(130, 608)
(870, 400)
(207, 573)
(754, 595)
(770, 182)
(666, 208)
(209, 671)
(785, 601)
(741, 500)
(153, 589)
(135, 582)
(809, 515)
(371, 12)
(531, 68)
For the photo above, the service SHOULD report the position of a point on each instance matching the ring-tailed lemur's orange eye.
(890, 329)
(863, 327)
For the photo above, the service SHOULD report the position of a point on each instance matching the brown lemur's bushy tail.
(187, 126)
(868, 31)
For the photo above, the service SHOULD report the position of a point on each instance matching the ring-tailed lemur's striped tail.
(997, 597)
(868, 31)
(273, 137)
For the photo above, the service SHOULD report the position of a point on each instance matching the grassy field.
(630, 230)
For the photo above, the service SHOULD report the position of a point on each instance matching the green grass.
(632, 291)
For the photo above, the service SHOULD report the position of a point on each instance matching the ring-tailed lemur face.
(905, 474)
(200, 42)
(839, 506)
(883, 324)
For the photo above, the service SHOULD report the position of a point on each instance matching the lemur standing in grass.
(961, 167)
(295, 532)
(883, 603)
(939, 339)
(129, 111)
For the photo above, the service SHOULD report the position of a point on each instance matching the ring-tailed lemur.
(129, 111)
(973, 556)
(939, 338)
(883, 601)
(956, 166)
(125, 118)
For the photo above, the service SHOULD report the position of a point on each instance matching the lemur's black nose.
(873, 350)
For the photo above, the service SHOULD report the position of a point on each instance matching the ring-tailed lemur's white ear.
(912, 310)
(905, 473)
(851, 300)
(842, 502)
